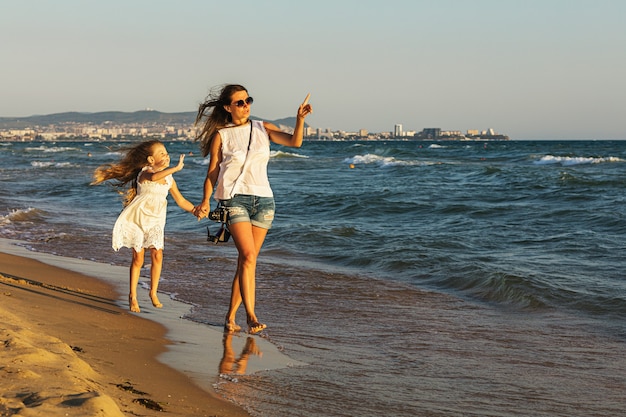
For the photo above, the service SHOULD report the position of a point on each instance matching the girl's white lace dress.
(141, 223)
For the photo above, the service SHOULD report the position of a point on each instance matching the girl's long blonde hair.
(213, 116)
(126, 170)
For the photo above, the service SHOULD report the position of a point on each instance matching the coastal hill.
(113, 118)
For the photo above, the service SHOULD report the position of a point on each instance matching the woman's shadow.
(231, 365)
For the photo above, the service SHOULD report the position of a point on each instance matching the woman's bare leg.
(248, 240)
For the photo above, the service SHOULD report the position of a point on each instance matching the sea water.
(409, 278)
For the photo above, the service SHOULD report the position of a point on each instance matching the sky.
(530, 69)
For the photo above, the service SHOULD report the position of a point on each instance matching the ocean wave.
(383, 161)
(21, 216)
(200, 161)
(575, 160)
(48, 164)
(281, 154)
(47, 149)
(502, 288)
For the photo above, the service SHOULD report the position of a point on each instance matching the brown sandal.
(231, 327)
(256, 327)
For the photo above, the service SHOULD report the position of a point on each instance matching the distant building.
(397, 131)
(431, 133)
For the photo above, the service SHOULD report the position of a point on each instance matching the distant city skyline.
(397, 130)
(152, 123)
(533, 70)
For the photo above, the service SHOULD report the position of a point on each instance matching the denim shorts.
(249, 208)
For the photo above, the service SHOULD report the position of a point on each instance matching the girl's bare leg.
(248, 240)
(135, 271)
(155, 274)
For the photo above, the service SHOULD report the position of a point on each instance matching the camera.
(220, 214)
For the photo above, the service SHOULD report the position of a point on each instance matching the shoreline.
(118, 360)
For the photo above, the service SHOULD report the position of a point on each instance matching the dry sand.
(67, 348)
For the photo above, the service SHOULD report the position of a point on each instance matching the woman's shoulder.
(270, 126)
(231, 128)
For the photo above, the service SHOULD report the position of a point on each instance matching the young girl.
(140, 225)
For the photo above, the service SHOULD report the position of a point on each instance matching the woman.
(239, 151)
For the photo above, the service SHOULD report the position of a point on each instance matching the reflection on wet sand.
(231, 365)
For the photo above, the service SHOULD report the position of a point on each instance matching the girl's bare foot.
(155, 301)
(133, 304)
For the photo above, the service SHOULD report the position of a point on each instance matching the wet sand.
(67, 348)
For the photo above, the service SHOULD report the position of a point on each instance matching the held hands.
(305, 108)
(201, 210)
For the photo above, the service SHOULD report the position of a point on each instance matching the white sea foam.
(569, 161)
(48, 164)
(202, 161)
(281, 154)
(382, 161)
(54, 149)
(113, 155)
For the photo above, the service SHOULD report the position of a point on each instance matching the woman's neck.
(240, 122)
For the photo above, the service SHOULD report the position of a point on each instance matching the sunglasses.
(241, 103)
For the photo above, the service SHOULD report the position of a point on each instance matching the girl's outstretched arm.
(182, 202)
(159, 175)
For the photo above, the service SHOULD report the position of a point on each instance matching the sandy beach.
(68, 349)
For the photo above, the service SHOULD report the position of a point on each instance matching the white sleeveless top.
(253, 179)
